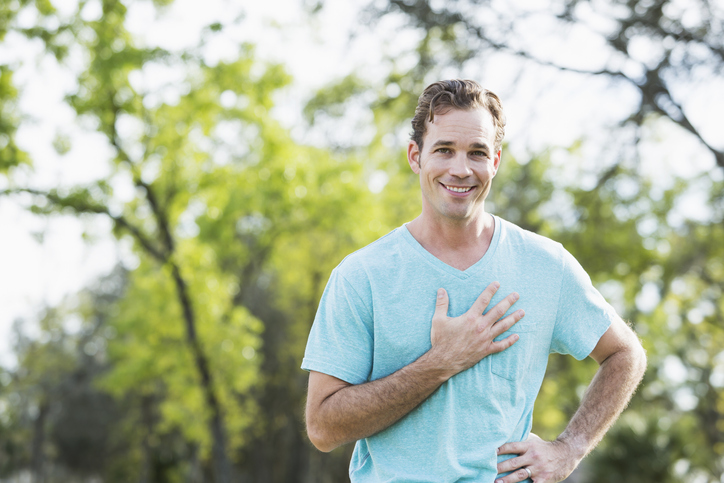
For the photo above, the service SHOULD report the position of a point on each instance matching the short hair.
(442, 96)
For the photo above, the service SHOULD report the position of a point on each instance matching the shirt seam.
(558, 302)
(364, 304)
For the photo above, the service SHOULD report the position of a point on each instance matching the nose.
(459, 166)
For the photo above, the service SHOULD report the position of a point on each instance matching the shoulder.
(377, 257)
(528, 244)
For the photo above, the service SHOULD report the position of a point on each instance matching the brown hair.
(442, 96)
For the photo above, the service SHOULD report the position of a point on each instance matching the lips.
(458, 189)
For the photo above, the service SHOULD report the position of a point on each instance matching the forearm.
(357, 411)
(604, 400)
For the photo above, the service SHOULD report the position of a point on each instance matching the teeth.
(459, 190)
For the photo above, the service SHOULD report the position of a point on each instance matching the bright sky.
(43, 260)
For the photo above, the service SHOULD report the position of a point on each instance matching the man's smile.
(457, 189)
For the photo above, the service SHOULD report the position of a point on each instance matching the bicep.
(321, 386)
(618, 337)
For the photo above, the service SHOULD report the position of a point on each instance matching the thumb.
(441, 304)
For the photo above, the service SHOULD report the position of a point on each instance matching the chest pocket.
(516, 361)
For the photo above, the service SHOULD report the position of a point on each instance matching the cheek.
(489, 171)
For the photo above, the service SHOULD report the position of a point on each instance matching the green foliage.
(10, 154)
(332, 99)
(234, 228)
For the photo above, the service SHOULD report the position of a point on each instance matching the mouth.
(458, 189)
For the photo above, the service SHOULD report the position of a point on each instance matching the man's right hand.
(459, 343)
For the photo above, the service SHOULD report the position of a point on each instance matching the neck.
(459, 243)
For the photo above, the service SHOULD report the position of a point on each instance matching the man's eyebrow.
(443, 143)
(480, 146)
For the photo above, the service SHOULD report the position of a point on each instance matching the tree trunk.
(220, 460)
(147, 419)
(37, 462)
(221, 463)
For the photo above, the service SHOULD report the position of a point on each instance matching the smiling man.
(430, 345)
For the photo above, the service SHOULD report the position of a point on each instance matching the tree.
(56, 415)
(230, 221)
(235, 226)
(662, 50)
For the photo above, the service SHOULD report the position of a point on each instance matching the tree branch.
(98, 209)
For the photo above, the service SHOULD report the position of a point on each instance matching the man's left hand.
(546, 461)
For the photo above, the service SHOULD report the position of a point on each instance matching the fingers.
(513, 448)
(502, 307)
(514, 465)
(506, 323)
(441, 304)
(484, 298)
(501, 345)
(511, 465)
(518, 475)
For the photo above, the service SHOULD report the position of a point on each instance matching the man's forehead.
(472, 127)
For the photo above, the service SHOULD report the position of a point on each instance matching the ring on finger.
(530, 475)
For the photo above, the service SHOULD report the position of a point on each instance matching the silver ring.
(530, 475)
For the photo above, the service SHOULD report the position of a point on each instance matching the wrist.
(577, 445)
(433, 365)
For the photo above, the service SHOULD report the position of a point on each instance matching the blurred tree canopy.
(663, 50)
(183, 364)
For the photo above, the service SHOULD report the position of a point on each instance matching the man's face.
(457, 164)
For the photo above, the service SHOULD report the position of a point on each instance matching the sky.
(44, 260)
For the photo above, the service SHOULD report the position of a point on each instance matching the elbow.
(636, 360)
(637, 355)
(319, 437)
(642, 359)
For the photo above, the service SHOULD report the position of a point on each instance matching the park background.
(178, 179)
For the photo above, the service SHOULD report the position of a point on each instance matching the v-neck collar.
(440, 265)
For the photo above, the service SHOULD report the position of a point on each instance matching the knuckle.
(521, 473)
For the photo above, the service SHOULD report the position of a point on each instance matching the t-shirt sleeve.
(341, 340)
(583, 314)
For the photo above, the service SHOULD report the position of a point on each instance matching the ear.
(496, 162)
(413, 156)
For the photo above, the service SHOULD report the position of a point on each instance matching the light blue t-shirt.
(375, 317)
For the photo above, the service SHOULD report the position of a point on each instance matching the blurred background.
(178, 179)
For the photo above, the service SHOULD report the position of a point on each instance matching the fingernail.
(498, 450)
(496, 284)
(521, 313)
(440, 293)
(498, 481)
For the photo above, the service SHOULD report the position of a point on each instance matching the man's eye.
(480, 154)
(443, 150)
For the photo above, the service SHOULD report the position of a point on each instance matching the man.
(444, 392)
